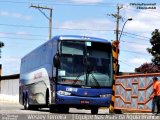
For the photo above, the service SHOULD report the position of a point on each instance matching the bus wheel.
(64, 110)
(52, 109)
(47, 97)
(118, 112)
(94, 110)
(26, 103)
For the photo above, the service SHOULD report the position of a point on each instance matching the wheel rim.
(26, 104)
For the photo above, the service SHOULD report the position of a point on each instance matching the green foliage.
(1, 44)
(155, 52)
(155, 49)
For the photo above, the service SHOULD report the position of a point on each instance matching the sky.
(23, 28)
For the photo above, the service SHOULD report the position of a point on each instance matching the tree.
(148, 68)
(155, 52)
(155, 49)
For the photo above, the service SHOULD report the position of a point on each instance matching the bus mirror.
(117, 69)
(56, 60)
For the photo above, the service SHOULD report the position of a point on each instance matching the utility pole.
(117, 16)
(117, 21)
(40, 8)
(115, 52)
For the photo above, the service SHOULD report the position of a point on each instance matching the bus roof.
(80, 38)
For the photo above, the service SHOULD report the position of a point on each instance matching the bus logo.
(85, 93)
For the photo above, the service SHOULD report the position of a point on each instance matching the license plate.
(84, 102)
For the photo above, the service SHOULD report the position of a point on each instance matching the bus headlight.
(64, 93)
(105, 95)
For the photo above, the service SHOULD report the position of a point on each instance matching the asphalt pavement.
(16, 112)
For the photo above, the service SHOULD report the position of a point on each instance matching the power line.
(23, 38)
(124, 41)
(10, 33)
(137, 35)
(143, 39)
(26, 26)
(127, 64)
(44, 27)
(30, 26)
(134, 52)
(102, 4)
(27, 34)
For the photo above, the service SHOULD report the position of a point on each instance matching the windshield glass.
(85, 63)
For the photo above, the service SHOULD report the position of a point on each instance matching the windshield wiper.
(95, 79)
(89, 72)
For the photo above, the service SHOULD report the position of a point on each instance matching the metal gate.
(133, 91)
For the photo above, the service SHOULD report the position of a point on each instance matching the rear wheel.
(94, 110)
(26, 103)
(27, 106)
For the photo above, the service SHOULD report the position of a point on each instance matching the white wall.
(9, 92)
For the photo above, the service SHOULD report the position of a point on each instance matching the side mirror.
(56, 60)
(117, 69)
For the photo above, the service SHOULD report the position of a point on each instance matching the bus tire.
(23, 97)
(26, 103)
(64, 110)
(94, 110)
(118, 112)
(52, 109)
(47, 97)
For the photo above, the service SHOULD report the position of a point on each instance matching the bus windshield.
(85, 64)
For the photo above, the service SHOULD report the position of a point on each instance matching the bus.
(67, 71)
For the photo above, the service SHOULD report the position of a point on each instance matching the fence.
(133, 91)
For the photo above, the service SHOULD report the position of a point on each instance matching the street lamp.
(129, 19)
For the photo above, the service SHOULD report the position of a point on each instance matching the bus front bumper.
(82, 101)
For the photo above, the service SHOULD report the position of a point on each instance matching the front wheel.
(64, 110)
(94, 110)
(58, 109)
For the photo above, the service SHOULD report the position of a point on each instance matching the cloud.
(4, 13)
(15, 15)
(99, 24)
(138, 47)
(87, 1)
(91, 27)
(22, 33)
(138, 61)
(144, 21)
(3, 34)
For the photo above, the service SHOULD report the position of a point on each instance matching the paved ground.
(16, 112)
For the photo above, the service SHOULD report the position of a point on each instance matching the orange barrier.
(133, 92)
